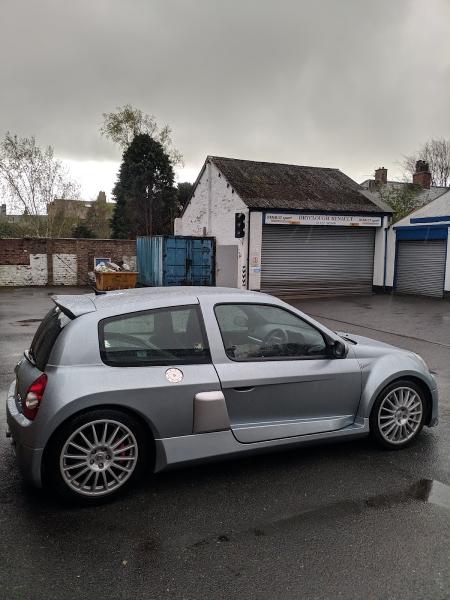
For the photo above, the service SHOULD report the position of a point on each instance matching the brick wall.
(38, 261)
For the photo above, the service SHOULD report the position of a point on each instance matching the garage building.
(308, 231)
(418, 253)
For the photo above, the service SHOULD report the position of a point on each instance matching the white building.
(418, 253)
(309, 231)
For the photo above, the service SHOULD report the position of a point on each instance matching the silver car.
(142, 380)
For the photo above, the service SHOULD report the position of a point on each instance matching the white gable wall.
(211, 212)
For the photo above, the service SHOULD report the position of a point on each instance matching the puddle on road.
(434, 492)
(425, 490)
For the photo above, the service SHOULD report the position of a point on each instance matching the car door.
(159, 361)
(278, 377)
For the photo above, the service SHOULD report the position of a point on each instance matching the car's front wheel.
(95, 456)
(398, 414)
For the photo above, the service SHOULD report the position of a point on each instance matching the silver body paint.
(220, 409)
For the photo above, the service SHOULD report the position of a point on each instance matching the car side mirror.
(338, 349)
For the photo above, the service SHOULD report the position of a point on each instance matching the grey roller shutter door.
(420, 267)
(302, 261)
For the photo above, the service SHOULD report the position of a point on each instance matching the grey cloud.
(346, 83)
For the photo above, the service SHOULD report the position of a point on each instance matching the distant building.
(73, 209)
(63, 216)
(76, 209)
(6, 217)
(421, 180)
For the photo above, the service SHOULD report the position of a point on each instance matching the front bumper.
(29, 459)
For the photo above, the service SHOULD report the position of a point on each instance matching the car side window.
(257, 331)
(156, 337)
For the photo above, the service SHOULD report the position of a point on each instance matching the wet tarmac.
(338, 521)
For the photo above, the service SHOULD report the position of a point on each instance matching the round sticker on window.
(174, 375)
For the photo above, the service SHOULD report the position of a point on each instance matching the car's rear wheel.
(95, 456)
(398, 414)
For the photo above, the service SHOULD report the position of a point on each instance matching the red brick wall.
(17, 252)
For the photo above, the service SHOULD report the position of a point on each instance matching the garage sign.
(300, 219)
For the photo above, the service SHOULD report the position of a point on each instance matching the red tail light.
(32, 400)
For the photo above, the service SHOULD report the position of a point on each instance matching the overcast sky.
(353, 84)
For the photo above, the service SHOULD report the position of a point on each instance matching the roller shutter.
(302, 261)
(420, 267)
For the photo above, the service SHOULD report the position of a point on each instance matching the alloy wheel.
(98, 457)
(400, 415)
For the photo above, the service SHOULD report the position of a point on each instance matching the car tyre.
(398, 414)
(95, 456)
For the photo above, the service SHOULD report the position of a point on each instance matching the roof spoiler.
(74, 306)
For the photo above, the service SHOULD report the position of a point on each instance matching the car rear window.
(45, 337)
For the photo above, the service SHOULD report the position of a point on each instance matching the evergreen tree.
(184, 192)
(144, 193)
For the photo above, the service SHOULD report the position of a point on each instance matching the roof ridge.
(266, 162)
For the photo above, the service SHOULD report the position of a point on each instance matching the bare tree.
(32, 178)
(436, 152)
(127, 122)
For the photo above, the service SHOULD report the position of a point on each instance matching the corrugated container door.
(200, 266)
(174, 260)
(149, 260)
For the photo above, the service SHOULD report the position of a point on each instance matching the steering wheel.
(276, 337)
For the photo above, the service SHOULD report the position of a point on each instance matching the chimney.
(3, 210)
(422, 176)
(381, 176)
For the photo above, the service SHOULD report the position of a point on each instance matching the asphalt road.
(338, 521)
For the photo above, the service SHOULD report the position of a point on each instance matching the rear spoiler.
(76, 305)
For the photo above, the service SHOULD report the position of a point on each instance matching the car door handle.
(245, 388)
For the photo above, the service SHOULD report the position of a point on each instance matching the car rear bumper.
(29, 459)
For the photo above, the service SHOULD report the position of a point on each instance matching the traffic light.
(239, 225)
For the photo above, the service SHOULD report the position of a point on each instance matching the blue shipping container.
(175, 260)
